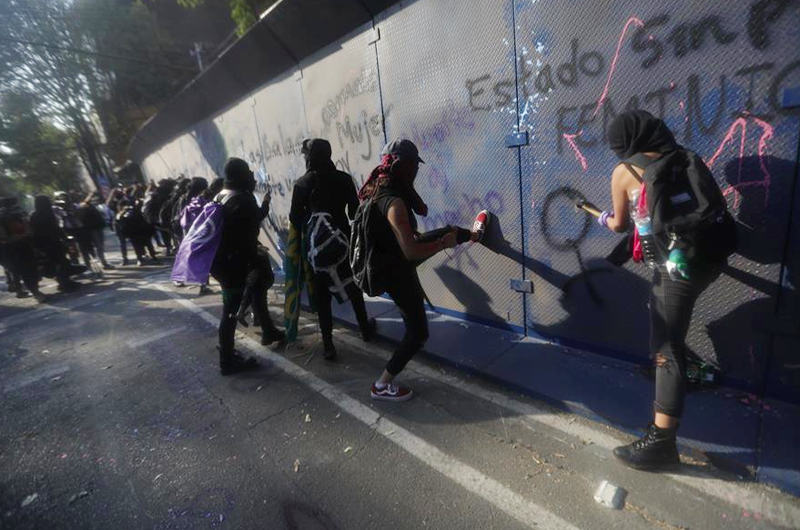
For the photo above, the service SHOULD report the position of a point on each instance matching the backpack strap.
(639, 160)
(633, 172)
(224, 196)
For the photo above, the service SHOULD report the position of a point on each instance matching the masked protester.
(16, 250)
(94, 224)
(325, 190)
(48, 238)
(65, 212)
(641, 140)
(194, 208)
(390, 187)
(237, 263)
(114, 201)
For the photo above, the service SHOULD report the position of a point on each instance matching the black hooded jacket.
(323, 188)
(238, 247)
(44, 224)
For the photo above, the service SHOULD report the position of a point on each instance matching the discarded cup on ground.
(610, 496)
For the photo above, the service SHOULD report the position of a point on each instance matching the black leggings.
(123, 244)
(22, 265)
(142, 243)
(322, 303)
(407, 294)
(231, 300)
(671, 306)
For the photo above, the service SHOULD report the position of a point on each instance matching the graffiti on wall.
(715, 74)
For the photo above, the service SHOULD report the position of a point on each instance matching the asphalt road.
(114, 415)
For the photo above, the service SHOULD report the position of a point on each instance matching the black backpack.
(687, 208)
(327, 244)
(150, 208)
(372, 268)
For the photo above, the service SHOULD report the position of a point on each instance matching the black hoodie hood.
(42, 203)
(238, 175)
(317, 152)
(638, 131)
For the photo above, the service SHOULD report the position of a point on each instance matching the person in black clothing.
(391, 188)
(113, 202)
(197, 185)
(154, 202)
(237, 258)
(94, 226)
(48, 238)
(65, 212)
(134, 226)
(325, 189)
(672, 300)
(16, 250)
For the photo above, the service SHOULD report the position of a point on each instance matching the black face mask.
(317, 153)
(638, 131)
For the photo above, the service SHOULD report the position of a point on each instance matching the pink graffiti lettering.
(570, 138)
(767, 132)
(612, 69)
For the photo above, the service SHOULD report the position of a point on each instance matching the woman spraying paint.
(684, 233)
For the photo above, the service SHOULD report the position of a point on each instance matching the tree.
(244, 13)
(42, 53)
(137, 65)
(39, 157)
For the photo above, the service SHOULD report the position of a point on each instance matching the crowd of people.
(664, 197)
(352, 240)
(65, 234)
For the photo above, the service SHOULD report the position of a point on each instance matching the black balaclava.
(317, 152)
(238, 176)
(214, 188)
(197, 186)
(43, 204)
(638, 131)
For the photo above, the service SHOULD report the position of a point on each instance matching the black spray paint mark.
(561, 198)
(566, 197)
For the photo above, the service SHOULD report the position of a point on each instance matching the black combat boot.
(656, 450)
(272, 334)
(232, 363)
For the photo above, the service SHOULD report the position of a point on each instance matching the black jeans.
(407, 294)
(142, 243)
(322, 301)
(671, 306)
(123, 243)
(231, 300)
(22, 265)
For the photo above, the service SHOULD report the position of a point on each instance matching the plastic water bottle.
(641, 218)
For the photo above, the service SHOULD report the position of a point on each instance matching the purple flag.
(198, 248)
(191, 211)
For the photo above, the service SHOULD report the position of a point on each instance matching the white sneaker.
(391, 393)
(481, 223)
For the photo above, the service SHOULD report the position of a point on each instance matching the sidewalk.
(734, 431)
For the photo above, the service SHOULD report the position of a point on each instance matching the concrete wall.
(462, 78)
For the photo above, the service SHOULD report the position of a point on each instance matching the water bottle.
(641, 218)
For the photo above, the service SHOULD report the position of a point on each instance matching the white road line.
(779, 512)
(513, 504)
(38, 375)
(158, 336)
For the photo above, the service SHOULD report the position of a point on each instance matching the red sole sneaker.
(392, 393)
